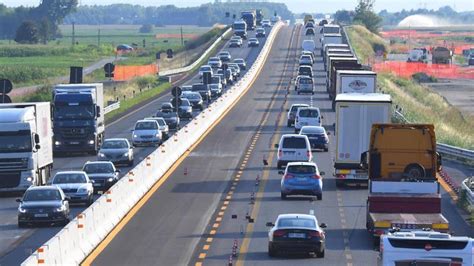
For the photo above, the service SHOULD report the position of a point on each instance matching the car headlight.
(158, 135)
(91, 142)
(135, 135)
(57, 143)
(29, 179)
(125, 154)
(21, 209)
(101, 155)
(60, 209)
(110, 179)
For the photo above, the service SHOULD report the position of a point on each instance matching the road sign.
(169, 53)
(5, 98)
(6, 86)
(158, 55)
(75, 75)
(206, 77)
(225, 67)
(109, 68)
(176, 91)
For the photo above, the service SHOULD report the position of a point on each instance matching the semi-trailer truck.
(355, 114)
(240, 28)
(78, 117)
(259, 14)
(404, 193)
(250, 17)
(331, 70)
(26, 150)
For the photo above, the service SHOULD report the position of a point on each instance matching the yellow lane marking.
(209, 239)
(219, 219)
(212, 232)
(205, 247)
(202, 255)
(198, 264)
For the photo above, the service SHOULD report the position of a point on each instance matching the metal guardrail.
(469, 193)
(111, 107)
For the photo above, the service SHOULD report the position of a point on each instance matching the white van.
(308, 45)
(309, 116)
(293, 148)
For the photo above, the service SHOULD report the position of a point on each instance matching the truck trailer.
(250, 17)
(353, 81)
(355, 114)
(240, 28)
(26, 150)
(78, 117)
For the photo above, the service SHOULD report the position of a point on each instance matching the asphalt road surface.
(17, 244)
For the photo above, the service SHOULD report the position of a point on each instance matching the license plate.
(296, 235)
(288, 152)
(96, 185)
(74, 142)
(41, 215)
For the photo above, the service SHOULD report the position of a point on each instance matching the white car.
(306, 60)
(293, 148)
(296, 232)
(292, 113)
(146, 132)
(165, 131)
(266, 23)
(76, 185)
(307, 116)
(305, 85)
(204, 68)
(214, 62)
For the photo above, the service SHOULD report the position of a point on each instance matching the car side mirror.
(276, 146)
(281, 172)
(270, 224)
(37, 146)
(364, 160)
(322, 173)
(37, 138)
(97, 110)
(117, 171)
(323, 225)
(18, 200)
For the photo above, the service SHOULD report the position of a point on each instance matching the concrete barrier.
(75, 241)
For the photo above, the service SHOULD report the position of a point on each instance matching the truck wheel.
(288, 124)
(320, 254)
(414, 171)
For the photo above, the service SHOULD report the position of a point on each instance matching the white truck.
(357, 81)
(333, 38)
(418, 55)
(355, 114)
(26, 149)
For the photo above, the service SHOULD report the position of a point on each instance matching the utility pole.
(182, 40)
(73, 34)
(98, 37)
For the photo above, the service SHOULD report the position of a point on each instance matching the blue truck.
(78, 118)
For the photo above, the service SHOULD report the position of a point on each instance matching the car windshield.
(73, 111)
(309, 113)
(70, 178)
(146, 125)
(214, 60)
(296, 222)
(239, 61)
(294, 108)
(215, 80)
(206, 68)
(306, 81)
(301, 169)
(161, 122)
(169, 114)
(114, 144)
(42, 194)
(100, 168)
(185, 102)
(191, 96)
(199, 87)
(294, 143)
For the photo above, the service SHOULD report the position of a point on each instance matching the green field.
(35, 64)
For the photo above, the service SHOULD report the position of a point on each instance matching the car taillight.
(315, 234)
(288, 176)
(316, 176)
(339, 176)
(308, 153)
(280, 153)
(279, 233)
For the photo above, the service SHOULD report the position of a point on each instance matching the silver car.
(116, 150)
(146, 132)
(305, 85)
(214, 62)
(76, 185)
(165, 131)
(102, 174)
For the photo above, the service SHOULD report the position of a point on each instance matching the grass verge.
(365, 43)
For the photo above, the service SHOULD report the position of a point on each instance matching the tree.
(45, 30)
(344, 16)
(365, 15)
(146, 28)
(27, 33)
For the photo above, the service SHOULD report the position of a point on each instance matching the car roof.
(300, 104)
(98, 162)
(213, 58)
(292, 136)
(71, 172)
(43, 188)
(313, 129)
(310, 108)
(240, 59)
(208, 66)
(115, 139)
(302, 163)
(154, 117)
(296, 215)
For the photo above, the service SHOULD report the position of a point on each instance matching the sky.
(296, 6)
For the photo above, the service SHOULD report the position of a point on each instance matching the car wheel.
(319, 197)
(279, 165)
(288, 124)
(326, 149)
(271, 251)
(320, 254)
(283, 196)
(130, 163)
(90, 200)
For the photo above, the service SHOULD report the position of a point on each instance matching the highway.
(202, 207)
(17, 244)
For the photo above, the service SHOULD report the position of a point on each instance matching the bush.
(146, 81)
(23, 74)
(422, 77)
(43, 94)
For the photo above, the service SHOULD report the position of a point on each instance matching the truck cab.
(25, 145)
(240, 28)
(78, 118)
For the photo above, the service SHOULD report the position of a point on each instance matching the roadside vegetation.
(418, 103)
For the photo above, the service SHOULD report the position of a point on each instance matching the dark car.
(305, 71)
(102, 174)
(194, 98)
(170, 116)
(296, 233)
(309, 31)
(204, 90)
(116, 150)
(317, 136)
(45, 204)
(216, 90)
(185, 109)
(228, 75)
(260, 33)
(253, 42)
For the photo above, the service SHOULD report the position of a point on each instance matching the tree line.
(204, 15)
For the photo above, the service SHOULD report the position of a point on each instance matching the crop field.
(28, 65)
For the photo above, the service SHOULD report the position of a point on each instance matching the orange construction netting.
(123, 73)
(422, 34)
(405, 69)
